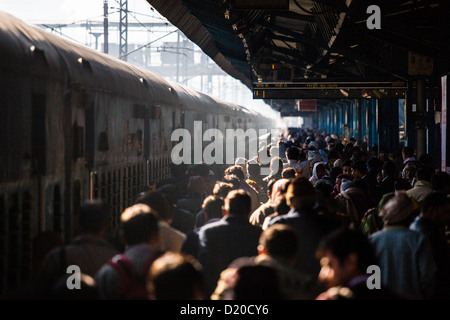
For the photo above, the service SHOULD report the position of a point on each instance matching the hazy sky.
(67, 11)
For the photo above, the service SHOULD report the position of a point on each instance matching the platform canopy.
(292, 40)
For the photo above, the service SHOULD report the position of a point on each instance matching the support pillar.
(420, 124)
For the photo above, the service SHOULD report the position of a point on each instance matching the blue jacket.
(406, 262)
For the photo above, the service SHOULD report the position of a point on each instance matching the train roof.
(29, 49)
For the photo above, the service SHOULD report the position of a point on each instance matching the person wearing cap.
(353, 202)
(404, 256)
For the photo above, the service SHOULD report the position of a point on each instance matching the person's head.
(324, 188)
(389, 169)
(213, 206)
(331, 144)
(332, 157)
(171, 192)
(280, 242)
(436, 207)
(178, 170)
(374, 164)
(281, 206)
(238, 203)
(293, 153)
(201, 169)
(398, 211)
(221, 189)
(301, 194)
(196, 185)
(440, 181)
(276, 165)
(94, 217)
(233, 180)
(359, 169)
(424, 174)
(426, 160)
(279, 188)
(319, 170)
(242, 162)
(235, 170)
(346, 184)
(253, 169)
(158, 202)
(347, 167)
(334, 173)
(175, 276)
(139, 225)
(288, 173)
(407, 152)
(344, 254)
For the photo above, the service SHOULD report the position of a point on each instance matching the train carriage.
(78, 124)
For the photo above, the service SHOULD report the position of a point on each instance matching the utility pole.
(123, 30)
(105, 26)
(178, 56)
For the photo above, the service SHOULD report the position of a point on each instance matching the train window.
(182, 120)
(38, 132)
(89, 141)
(76, 198)
(103, 144)
(155, 112)
(102, 186)
(57, 212)
(139, 111)
(173, 120)
(78, 141)
(227, 119)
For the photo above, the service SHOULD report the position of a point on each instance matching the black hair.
(390, 169)
(141, 227)
(433, 200)
(343, 242)
(157, 201)
(236, 170)
(94, 215)
(238, 203)
(440, 180)
(360, 165)
(293, 153)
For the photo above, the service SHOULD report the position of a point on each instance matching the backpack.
(371, 222)
(133, 285)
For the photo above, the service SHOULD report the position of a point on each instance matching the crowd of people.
(328, 212)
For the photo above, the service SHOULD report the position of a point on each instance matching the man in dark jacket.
(231, 237)
(310, 227)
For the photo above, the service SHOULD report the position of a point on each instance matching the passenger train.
(78, 124)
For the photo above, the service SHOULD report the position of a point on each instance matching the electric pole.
(123, 30)
(105, 26)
